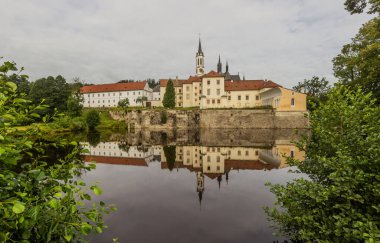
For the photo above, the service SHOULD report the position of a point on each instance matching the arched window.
(292, 102)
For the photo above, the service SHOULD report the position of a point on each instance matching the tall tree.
(358, 64)
(55, 92)
(152, 82)
(169, 96)
(316, 90)
(75, 100)
(358, 6)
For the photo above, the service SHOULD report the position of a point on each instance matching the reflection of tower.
(200, 185)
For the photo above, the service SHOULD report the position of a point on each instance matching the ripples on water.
(190, 187)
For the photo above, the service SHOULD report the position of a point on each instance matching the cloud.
(106, 41)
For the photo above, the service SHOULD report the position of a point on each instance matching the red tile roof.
(212, 74)
(193, 79)
(115, 160)
(176, 82)
(249, 85)
(113, 87)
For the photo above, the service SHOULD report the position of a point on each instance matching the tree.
(54, 91)
(170, 155)
(42, 198)
(141, 99)
(316, 90)
(358, 6)
(358, 63)
(124, 103)
(152, 82)
(23, 85)
(92, 119)
(169, 96)
(339, 199)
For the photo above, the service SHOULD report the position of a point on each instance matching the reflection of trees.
(93, 138)
(142, 149)
(170, 155)
(124, 146)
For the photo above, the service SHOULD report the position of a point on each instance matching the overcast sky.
(106, 41)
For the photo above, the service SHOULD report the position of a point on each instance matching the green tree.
(141, 99)
(358, 6)
(92, 119)
(169, 96)
(55, 93)
(358, 63)
(42, 198)
(75, 100)
(170, 155)
(124, 103)
(316, 90)
(339, 199)
(152, 82)
(23, 85)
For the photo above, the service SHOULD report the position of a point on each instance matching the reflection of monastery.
(212, 162)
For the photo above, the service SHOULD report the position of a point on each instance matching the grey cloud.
(105, 41)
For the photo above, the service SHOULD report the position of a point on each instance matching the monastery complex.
(214, 89)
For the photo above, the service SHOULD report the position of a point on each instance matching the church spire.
(219, 66)
(199, 59)
(200, 52)
(226, 66)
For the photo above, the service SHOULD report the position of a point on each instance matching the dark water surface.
(204, 190)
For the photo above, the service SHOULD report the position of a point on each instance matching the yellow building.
(218, 89)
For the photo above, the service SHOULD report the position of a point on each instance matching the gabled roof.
(249, 85)
(176, 82)
(156, 88)
(213, 74)
(113, 87)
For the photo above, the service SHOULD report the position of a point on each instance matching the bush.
(340, 200)
(123, 103)
(92, 119)
(78, 124)
(164, 117)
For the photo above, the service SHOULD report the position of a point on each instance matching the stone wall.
(215, 119)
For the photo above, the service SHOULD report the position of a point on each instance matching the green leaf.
(68, 237)
(96, 190)
(12, 85)
(18, 208)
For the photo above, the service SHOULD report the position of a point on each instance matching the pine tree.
(169, 96)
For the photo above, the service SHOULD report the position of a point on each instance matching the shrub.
(123, 103)
(78, 124)
(164, 117)
(339, 202)
(92, 119)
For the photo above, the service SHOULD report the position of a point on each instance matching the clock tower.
(200, 65)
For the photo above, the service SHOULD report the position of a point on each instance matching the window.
(103, 101)
(217, 159)
(217, 81)
(208, 168)
(218, 91)
(218, 149)
(88, 95)
(239, 97)
(139, 92)
(239, 152)
(208, 82)
(257, 97)
(208, 91)
(256, 152)
(218, 101)
(292, 102)
(247, 153)
(195, 87)
(208, 159)
(187, 96)
(229, 97)
(293, 93)
(108, 94)
(98, 101)
(179, 91)
(247, 97)
(187, 88)
(93, 95)
(113, 94)
(213, 149)
(120, 94)
(208, 101)
(218, 168)
(98, 95)
(213, 101)
(103, 94)
(292, 153)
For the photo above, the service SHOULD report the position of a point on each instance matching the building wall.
(281, 99)
(111, 99)
(212, 92)
(248, 98)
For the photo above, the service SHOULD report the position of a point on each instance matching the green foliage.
(78, 124)
(41, 197)
(54, 92)
(358, 63)
(124, 103)
(152, 82)
(23, 85)
(164, 117)
(92, 119)
(316, 90)
(170, 156)
(141, 99)
(169, 96)
(358, 6)
(339, 201)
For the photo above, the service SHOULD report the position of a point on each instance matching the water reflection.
(234, 163)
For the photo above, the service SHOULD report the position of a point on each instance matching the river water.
(181, 186)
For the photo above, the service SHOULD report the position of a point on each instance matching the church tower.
(200, 65)
(219, 66)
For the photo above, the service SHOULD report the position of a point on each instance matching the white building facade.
(109, 95)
